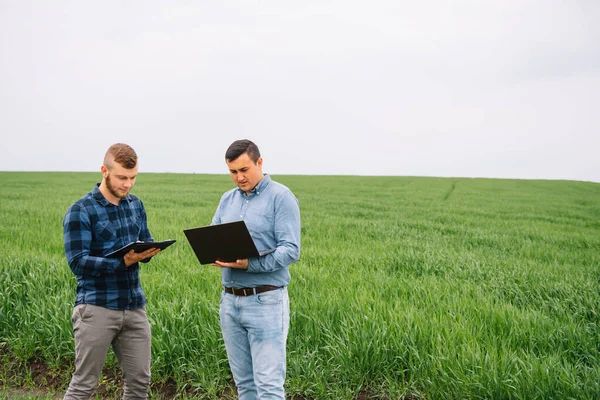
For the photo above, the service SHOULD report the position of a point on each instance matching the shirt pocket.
(260, 219)
(105, 232)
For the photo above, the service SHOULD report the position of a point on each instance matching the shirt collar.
(262, 185)
(97, 194)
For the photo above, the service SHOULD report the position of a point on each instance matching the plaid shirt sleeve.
(77, 240)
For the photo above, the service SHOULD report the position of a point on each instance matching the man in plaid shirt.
(110, 303)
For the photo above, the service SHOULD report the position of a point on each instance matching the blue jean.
(255, 332)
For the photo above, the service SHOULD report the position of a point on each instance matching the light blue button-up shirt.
(272, 215)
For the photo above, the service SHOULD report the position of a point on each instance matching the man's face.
(119, 180)
(245, 173)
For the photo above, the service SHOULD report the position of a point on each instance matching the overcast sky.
(467, 88)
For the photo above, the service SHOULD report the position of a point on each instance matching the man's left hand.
(239, 264)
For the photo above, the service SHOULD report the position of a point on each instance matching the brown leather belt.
(245, 291)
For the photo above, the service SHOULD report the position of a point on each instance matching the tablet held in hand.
(139, 246)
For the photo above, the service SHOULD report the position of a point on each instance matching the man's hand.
(132, 257)
(239, 264)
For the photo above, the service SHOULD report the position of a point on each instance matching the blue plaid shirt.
(94, 227)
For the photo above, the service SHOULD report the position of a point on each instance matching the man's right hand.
(132, 257)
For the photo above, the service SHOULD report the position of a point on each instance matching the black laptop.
(225, 242)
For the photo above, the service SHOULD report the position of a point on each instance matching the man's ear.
(104, 171)
(259, 162)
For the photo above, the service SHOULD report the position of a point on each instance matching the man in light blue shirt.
(254, 309)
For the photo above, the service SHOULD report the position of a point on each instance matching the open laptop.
(225, 242)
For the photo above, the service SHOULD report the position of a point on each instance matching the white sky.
(470, 88)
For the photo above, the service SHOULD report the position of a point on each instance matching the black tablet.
(139, 246)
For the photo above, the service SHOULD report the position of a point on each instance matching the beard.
(112, 189)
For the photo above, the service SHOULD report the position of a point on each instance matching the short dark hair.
(121, 153)
(240, 147)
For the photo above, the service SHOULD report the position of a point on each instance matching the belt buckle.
(242, 291)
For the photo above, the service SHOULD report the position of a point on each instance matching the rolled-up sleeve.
(286, 231)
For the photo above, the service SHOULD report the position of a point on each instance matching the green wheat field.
(407, 287)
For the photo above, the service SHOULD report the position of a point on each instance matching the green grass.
(433, 288)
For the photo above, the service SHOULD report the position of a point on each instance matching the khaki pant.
(95, 329)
